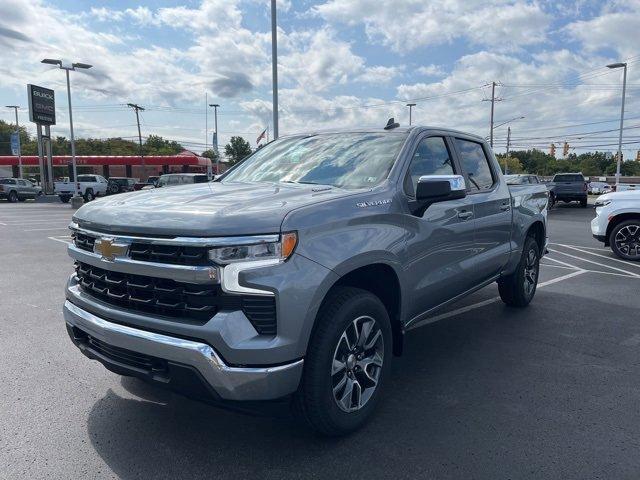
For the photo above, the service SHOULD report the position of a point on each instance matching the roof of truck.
(383, 130)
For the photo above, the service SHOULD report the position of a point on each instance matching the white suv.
(617, 223)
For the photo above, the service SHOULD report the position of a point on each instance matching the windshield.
(568, 177)
(348, 160)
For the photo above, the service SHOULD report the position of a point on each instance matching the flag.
(261, 136)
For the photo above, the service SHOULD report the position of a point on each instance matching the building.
(111, 165)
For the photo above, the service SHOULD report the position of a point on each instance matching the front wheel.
(13, 197)
(89, 195)
(348, 358)
(518, 289)
(625, 240)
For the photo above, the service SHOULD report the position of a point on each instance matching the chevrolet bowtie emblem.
(108, 249)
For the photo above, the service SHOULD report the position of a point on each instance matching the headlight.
(601, 203)
(280, 250)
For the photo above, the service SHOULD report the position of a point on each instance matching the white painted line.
(591, 271)
(580, 246)
(562, 278)
(29, 222)
(547, 257)
(59, 240)
(489, 301)
(3, 224)
(595, 263)
(603, 256)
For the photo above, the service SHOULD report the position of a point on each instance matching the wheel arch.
(537, 231)
(382, 281)
(617, 219)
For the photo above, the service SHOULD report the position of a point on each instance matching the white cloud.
(431, 70)
(407, 24)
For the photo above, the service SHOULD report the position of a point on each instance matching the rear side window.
(568, 178)
(200, 179)
(430, 158)
(475, 164)
(8, 181)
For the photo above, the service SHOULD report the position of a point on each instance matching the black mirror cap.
(440, 188)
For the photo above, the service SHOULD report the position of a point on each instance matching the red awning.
(184, 158)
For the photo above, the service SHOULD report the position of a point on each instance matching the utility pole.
(206, 121)
(274, 66)
(137, 107)
(215, 138)
(15, 108)
(624, 88)
(410, 105)
(493, 101)
(506, 158)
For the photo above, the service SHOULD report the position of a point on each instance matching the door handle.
(465, 215)
(505, 206)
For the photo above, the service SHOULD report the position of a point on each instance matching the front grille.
(185, 302)
(84, 242)
(121, 355)
(173, 254)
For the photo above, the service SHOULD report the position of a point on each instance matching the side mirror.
(440, 188)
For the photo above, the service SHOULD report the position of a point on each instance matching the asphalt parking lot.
(482, 391)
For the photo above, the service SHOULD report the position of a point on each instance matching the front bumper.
(128, 350)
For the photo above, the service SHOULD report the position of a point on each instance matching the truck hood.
(624, 195)
(203, 210)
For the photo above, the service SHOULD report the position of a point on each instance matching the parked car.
(623, 187)
(617, 223)
(597, 188)
(568, 187)
(150, 183)
(89, 186)
(522, 179)
(120, 184)
(294, 277)
(173, 179)
(18, 189)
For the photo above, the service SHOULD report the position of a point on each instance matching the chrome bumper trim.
(179, 273)
(182, 241)
(231, 383)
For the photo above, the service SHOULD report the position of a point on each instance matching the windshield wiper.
(305, 183)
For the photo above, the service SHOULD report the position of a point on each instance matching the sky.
(342, 64)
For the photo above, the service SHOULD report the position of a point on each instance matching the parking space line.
(44, 229)
(595, 263)
(562, 263)
(60, 240)
(581, 246)
(599, 255)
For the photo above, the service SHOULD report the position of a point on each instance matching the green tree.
(156, 145)
(6, 129)
(210, 154)
(237, 149)
(513, 164)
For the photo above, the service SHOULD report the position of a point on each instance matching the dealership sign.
(42, 105)
(15, 143)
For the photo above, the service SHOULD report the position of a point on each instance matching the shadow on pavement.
(494, 393)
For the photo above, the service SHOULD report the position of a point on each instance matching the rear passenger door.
(440, 244)
(492, 207)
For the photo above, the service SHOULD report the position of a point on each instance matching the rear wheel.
(22, 199)
(346, 363)
(12, 197)
(552, 200)
(89, 195)
(625, 240)
(64, 198)
(518, 289)
(583, 203)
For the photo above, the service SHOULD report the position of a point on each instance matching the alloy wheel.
(531, 272)
(357, 364)
(628, 240)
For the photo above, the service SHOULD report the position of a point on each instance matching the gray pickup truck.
(293, 278)
(568, 187)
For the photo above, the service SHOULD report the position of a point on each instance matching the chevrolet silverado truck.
(89, 186)
(294, 277)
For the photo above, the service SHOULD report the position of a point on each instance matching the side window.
(22, 183)
(475, 164)
(430, 158)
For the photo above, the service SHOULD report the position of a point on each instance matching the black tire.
(113, 188)
(519, 288)
(552, 200)
(64, 198)
(22, 199)
(12, 197)
(629, 229)
(89, 195)
(583, 203)
(315, 403)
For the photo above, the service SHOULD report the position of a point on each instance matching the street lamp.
(215, 142)
(67, 68)
(274, 66)
(15, 108)
(624, 87)
(410, 105)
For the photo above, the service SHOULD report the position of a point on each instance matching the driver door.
(440, 245)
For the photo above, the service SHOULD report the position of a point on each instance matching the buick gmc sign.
(42, 105)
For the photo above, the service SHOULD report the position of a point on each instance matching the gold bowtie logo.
(108, 249)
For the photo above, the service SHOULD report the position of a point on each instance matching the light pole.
(274, 66)
(137, 108)
(215, 139)
(68, 68)
(624, 87)
(15, 108)
(410, 105)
